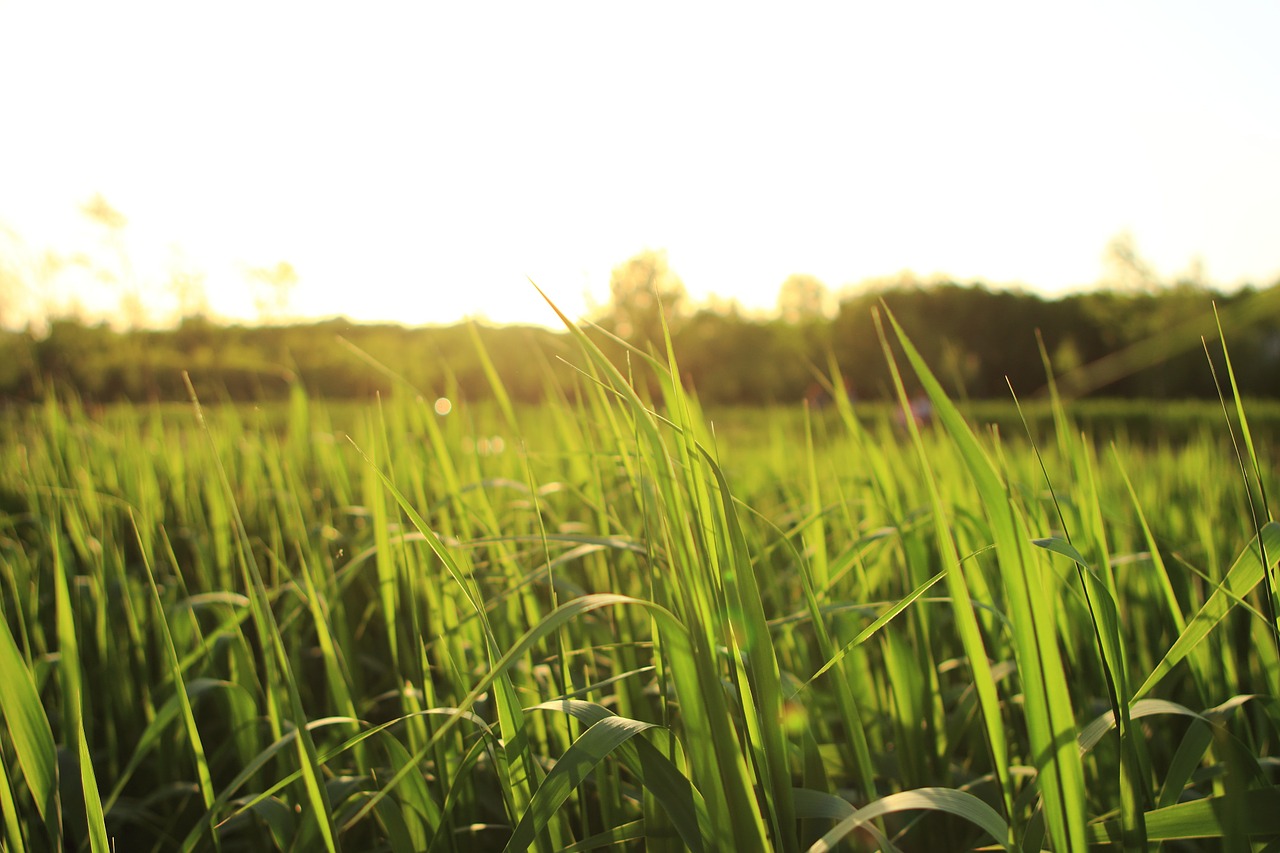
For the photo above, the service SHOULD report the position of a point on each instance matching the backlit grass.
(615, 621)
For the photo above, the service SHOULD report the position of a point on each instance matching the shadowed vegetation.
(1137, 344)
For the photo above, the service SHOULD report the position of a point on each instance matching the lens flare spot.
(443, 406)
(793, 718)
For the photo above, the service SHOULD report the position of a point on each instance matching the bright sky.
(417, 161)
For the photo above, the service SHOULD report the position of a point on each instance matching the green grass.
(621, 621)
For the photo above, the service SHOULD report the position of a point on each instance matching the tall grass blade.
(763, 677)
(819, 805)
(97, 822)
(719, 771)
(13, 835)
(1245, 574)
(1050, 722)
(154, 733)
(572, 769)
(520, 762)
(422, 817)
(72, 681)
(277, 659)
(682, 803)
(1271, 585)
(868, 632)
(496, 384)
(551, 623)
(1100, 599)
(958, 588)
(30, 734)
(180, 694)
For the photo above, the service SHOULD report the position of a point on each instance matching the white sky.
(415, 162)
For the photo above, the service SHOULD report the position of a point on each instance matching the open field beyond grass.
(616, 621)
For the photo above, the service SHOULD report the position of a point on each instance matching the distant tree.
(726, 306)
(274, 289)
(1126, 270)
(187, 286)
(133, 311)
(99, 210)
(132, 306)
(803, 299)
(1194, 277)
(641, 291)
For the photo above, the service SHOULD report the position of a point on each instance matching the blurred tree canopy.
(641, 291)
(1136, 342)
(803, 299)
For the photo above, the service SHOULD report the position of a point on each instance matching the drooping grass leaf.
(1241, 578)
(1256, 815)
(29, 733)
(681, 801)
(570, 771)
(949, 800)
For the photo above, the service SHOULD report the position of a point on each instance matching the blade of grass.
(553, 621)
(30, 734)
(152, 735)
(959, 803)
(1134, 768)
(276, 657)
(1050, 722)
(592, 747)
(866, 633)
(1270, 585)
(763, 674)
(522, 767)
(657, 772)
(203, 777)
(423, 817)
(720, 770)
(957, 586)
(1105, 620)
(13, 834)
(98, 841)
(1245, 574)
(72, 679)
(1257, 816)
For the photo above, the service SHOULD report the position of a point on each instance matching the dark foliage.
(1104, 343)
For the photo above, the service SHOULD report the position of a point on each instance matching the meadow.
(619, 621)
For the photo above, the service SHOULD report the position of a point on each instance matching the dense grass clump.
(615, 621)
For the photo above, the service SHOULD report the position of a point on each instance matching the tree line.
(1133, 336)
(1141, 342)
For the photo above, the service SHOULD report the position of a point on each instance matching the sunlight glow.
(420, 164)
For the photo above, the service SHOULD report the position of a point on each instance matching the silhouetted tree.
(187, 286)
(132, 307)
(641, 291)
(274, 288)
(803, 299)
(1125, 269)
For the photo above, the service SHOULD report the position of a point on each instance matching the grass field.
(617, 621)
